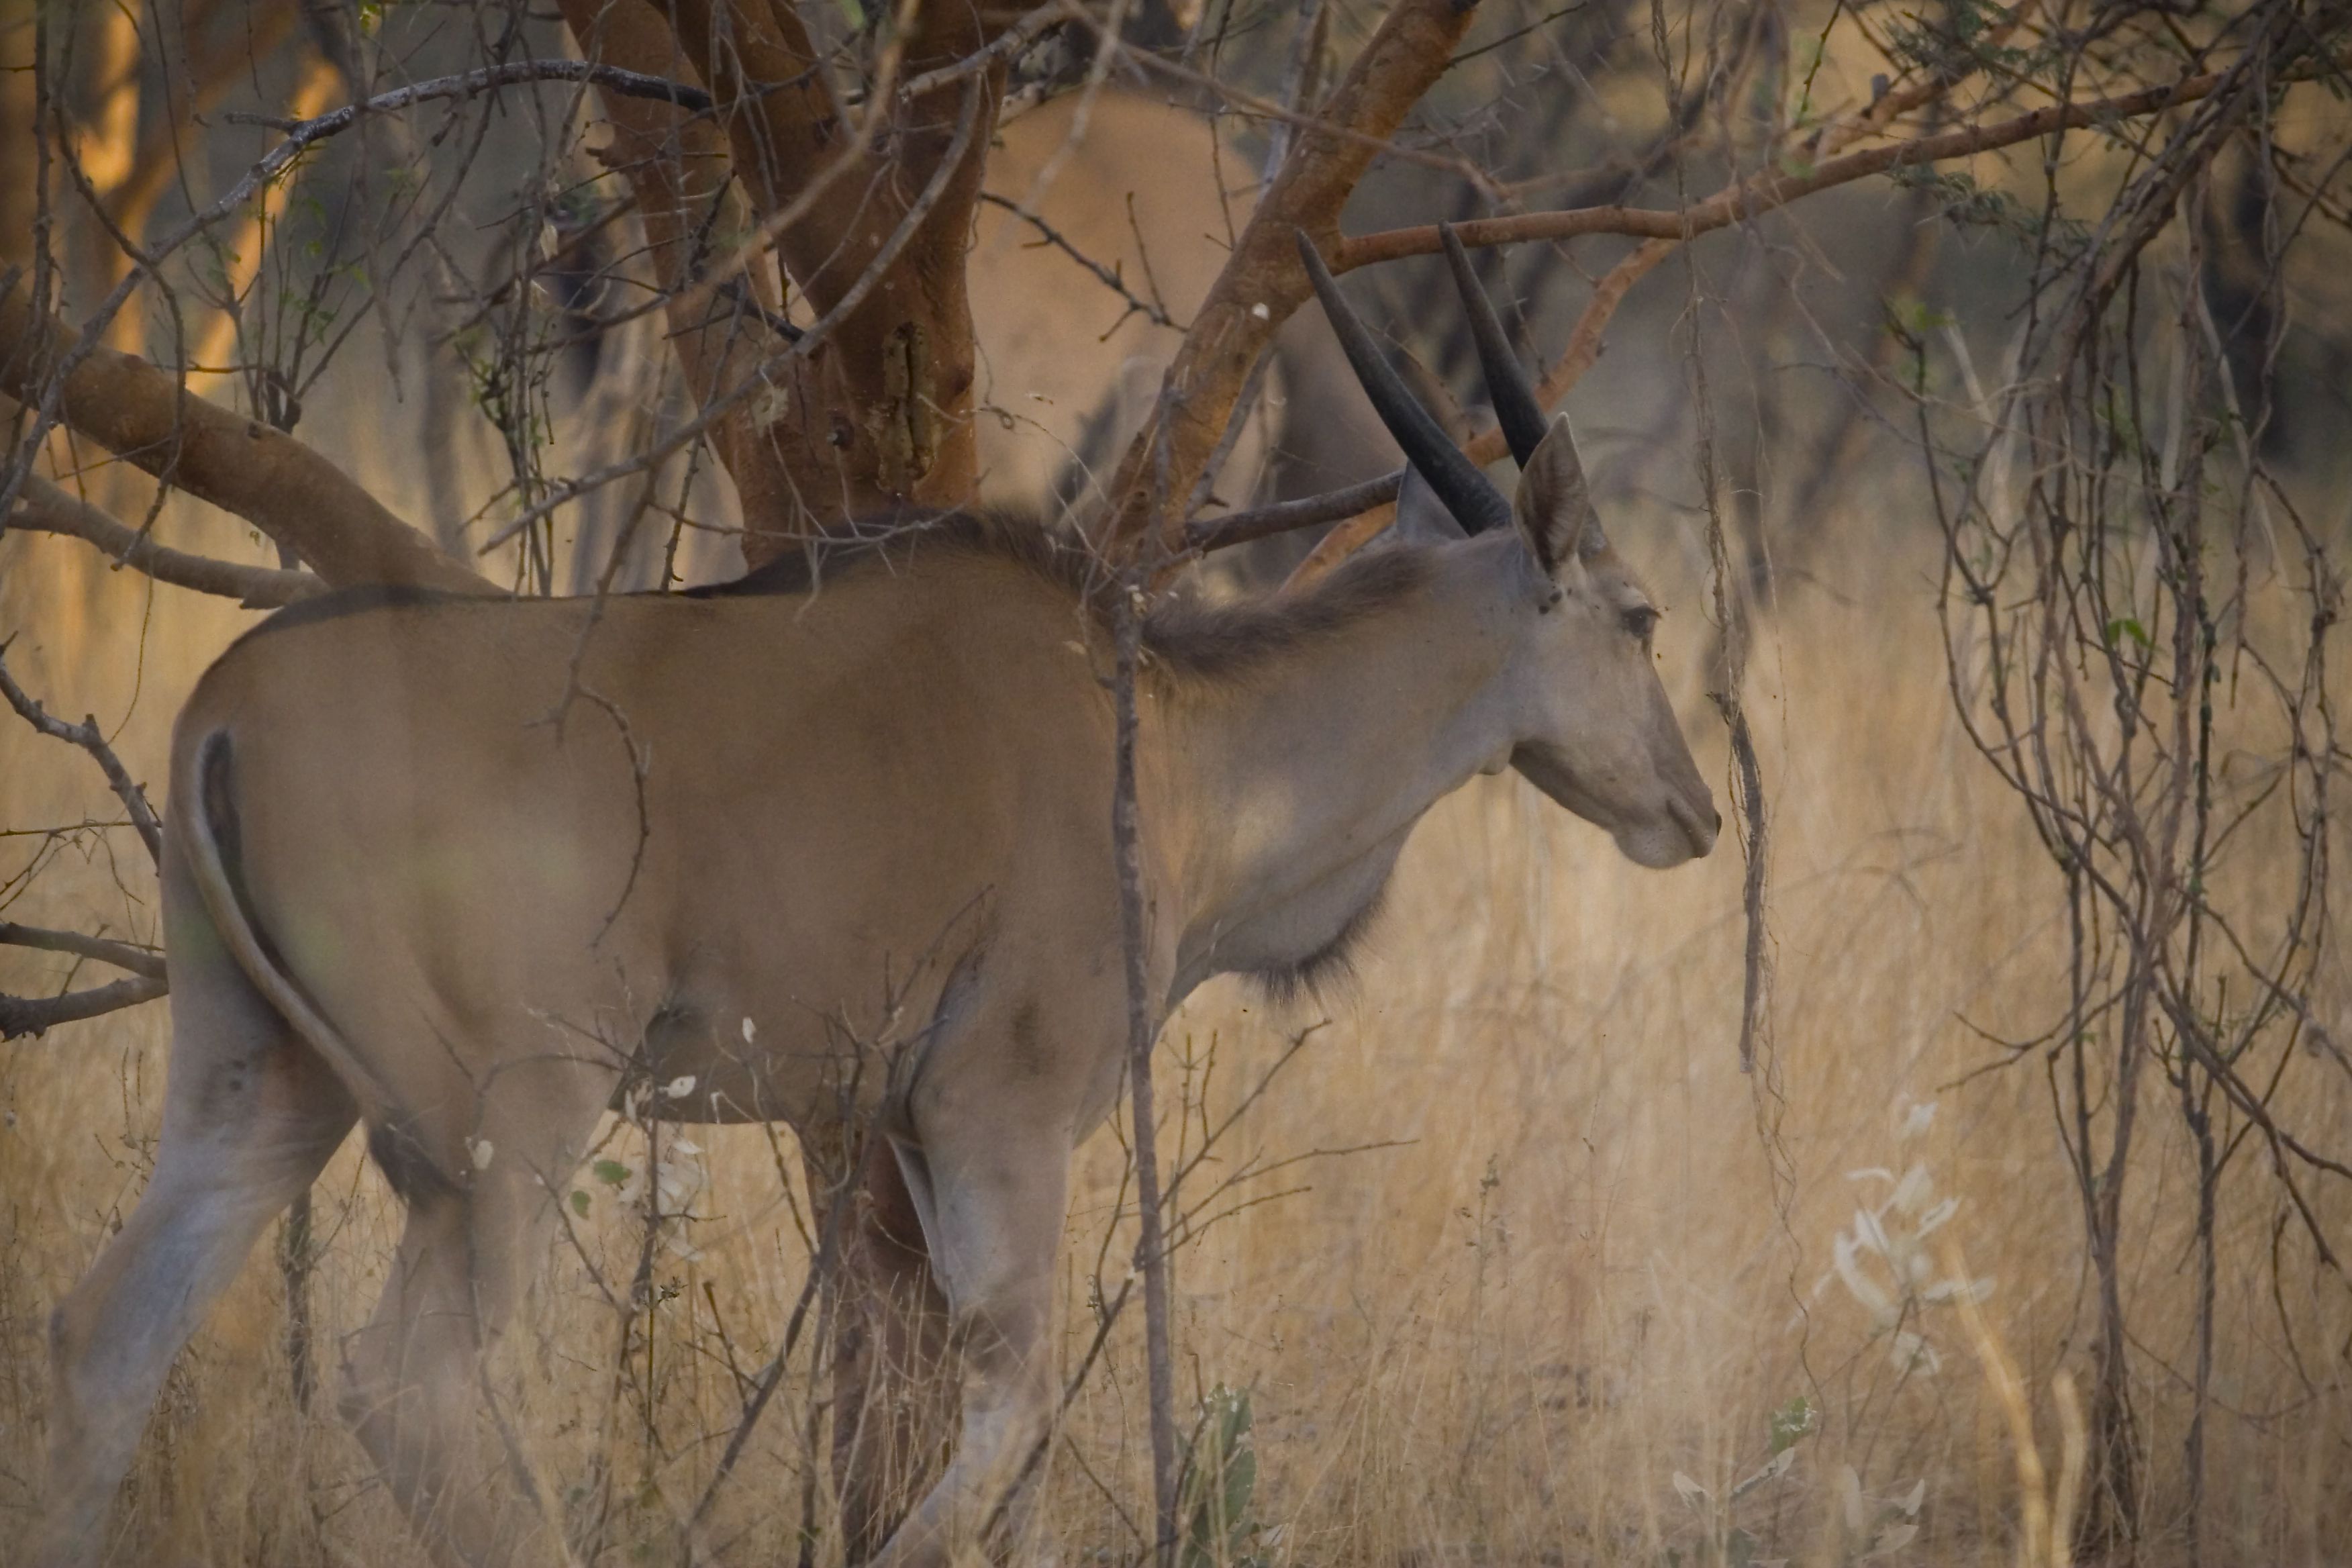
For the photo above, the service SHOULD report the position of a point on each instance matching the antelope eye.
(1641, 620)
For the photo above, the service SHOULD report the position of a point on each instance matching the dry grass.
(1568, 1277)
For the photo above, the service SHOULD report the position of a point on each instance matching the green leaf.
(580, 1203)
(611, 1172)
(1219, 1482)
(2126, 627)
(1793, 1422)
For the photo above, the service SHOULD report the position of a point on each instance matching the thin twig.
(1763, 193)
(142, 961)
(1142, 1029)
(1010, 42)
(300, 134)
(1266, 108)
(1110, 276)
(1208, 533)
(87, 736)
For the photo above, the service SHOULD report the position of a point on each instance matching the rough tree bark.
(880, 415)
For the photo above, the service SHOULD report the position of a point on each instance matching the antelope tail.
(205, 817)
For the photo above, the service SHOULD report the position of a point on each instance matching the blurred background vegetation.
(2001, 496)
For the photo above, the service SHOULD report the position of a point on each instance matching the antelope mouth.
(1701, 830)
(1657, 838)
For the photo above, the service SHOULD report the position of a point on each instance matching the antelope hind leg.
(250, 1114)
(416, 1389)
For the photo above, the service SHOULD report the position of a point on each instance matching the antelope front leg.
(993, 1184)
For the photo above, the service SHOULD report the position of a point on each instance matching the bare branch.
(43, 508)
(1208, 533)
(1771, 189)
(1263, 282)
(121, 955)
(720, 408)
(273, 481)
(87, 736)
(1107, 276)
(226, 61)
(1293, 121)
(39, 1014)
(1005, 46)
(469, 84)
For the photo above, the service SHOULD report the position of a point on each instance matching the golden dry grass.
(1568, 1277)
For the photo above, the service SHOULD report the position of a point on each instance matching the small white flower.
(1954, 1290)
(482, 1151)
(1261, 312)
(1861, 1286)
(1912, 1353)
(679, 1087)
(747, 1030)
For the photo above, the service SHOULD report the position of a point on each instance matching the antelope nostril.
(1694, 824)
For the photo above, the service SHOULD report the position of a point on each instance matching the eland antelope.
(463, 869)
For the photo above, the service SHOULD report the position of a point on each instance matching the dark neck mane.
(1208, 642)
(1216, 643)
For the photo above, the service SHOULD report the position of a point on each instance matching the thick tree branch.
(677, 167)
(43, 508)
(883, 416)
(1583, 339)
(264, 476)
(1264, 282)
(773, 105)
(790, 359)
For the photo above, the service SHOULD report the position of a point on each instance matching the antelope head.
(1591, 727)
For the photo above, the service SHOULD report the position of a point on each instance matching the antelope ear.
(1421, 517)
(1553, 507)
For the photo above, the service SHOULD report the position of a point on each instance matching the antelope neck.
(1284, 799)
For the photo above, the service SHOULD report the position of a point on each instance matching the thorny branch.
(1662, 231)
(1108, 276)
(90, 739)
(2096, 694)
(34, 1016)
